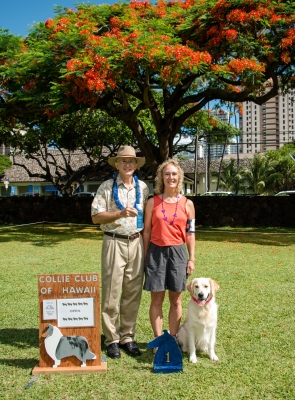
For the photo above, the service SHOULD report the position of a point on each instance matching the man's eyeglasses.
(125, 162)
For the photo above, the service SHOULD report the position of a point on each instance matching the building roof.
(79, 160)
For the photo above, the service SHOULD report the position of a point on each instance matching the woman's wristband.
(192, 260)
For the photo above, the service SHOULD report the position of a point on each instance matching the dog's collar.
(198, 301)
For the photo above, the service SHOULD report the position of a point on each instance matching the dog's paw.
(213, 357)
(193, 359)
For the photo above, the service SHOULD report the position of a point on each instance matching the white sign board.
(49, 309)
(75, 312)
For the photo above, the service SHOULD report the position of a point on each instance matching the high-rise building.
(269, 126)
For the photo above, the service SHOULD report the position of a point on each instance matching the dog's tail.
(90, 355)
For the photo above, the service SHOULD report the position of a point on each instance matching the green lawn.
(256, 324)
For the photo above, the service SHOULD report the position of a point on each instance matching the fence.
(239, 211)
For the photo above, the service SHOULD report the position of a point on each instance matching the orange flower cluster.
(84, 32)
(139, 4)
(188, 3)
(187, 57)
(237, 16)
(286, 57)
(287, 46)
(245, 64)
(289, 40)
(74, 65)
(169, 75)
(212, 121)
(239, 107)
(97, 78)
(161, 9)
(49, 23)
(218, 35)
(230, 34)
(62, 25)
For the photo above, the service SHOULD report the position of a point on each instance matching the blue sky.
(19, 15)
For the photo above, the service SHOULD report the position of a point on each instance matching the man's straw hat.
(126, 152)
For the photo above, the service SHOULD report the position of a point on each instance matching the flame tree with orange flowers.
(167, 59)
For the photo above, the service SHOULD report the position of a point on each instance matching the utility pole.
(196, 166)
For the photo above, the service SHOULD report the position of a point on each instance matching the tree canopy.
(164, 60)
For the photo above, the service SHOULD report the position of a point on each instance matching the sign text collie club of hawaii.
(70, 303)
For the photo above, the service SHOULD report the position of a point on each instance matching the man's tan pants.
(122, 272)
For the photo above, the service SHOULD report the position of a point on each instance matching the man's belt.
(117, 236)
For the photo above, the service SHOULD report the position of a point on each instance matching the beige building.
(269, 126)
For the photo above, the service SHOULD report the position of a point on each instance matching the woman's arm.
(147, 230)
(190, 239)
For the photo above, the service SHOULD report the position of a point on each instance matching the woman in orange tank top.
(169, 245)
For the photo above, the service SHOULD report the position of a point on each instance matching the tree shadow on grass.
(46, 234)
(20, 338)
(25, 363)
(259, 236)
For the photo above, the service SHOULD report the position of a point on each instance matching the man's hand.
(129, 212)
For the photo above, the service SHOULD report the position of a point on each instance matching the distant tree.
(56, 145)
(231, 177)
(260, 174)
(119, 58)
(5, 163)
(183, 158)
(284, 165)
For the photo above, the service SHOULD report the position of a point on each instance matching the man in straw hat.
(118, 207)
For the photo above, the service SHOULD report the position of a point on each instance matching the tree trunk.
(208, 166)
(238, 150)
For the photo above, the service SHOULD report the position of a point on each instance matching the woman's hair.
(159, 185)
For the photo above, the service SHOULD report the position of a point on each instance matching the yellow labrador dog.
(199, 328)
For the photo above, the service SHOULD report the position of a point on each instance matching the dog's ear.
(214, 286)
(189, 286)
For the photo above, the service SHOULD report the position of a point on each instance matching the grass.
(255, 335)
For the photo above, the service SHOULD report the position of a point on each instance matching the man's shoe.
(113, 350)
(131, 349)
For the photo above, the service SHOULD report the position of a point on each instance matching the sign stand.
(69, 324)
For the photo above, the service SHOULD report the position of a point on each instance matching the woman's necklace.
(175, 212)
(115, 193)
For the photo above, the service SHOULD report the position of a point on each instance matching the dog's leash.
(31, 382)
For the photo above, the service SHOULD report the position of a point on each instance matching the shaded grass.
(255, 335)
